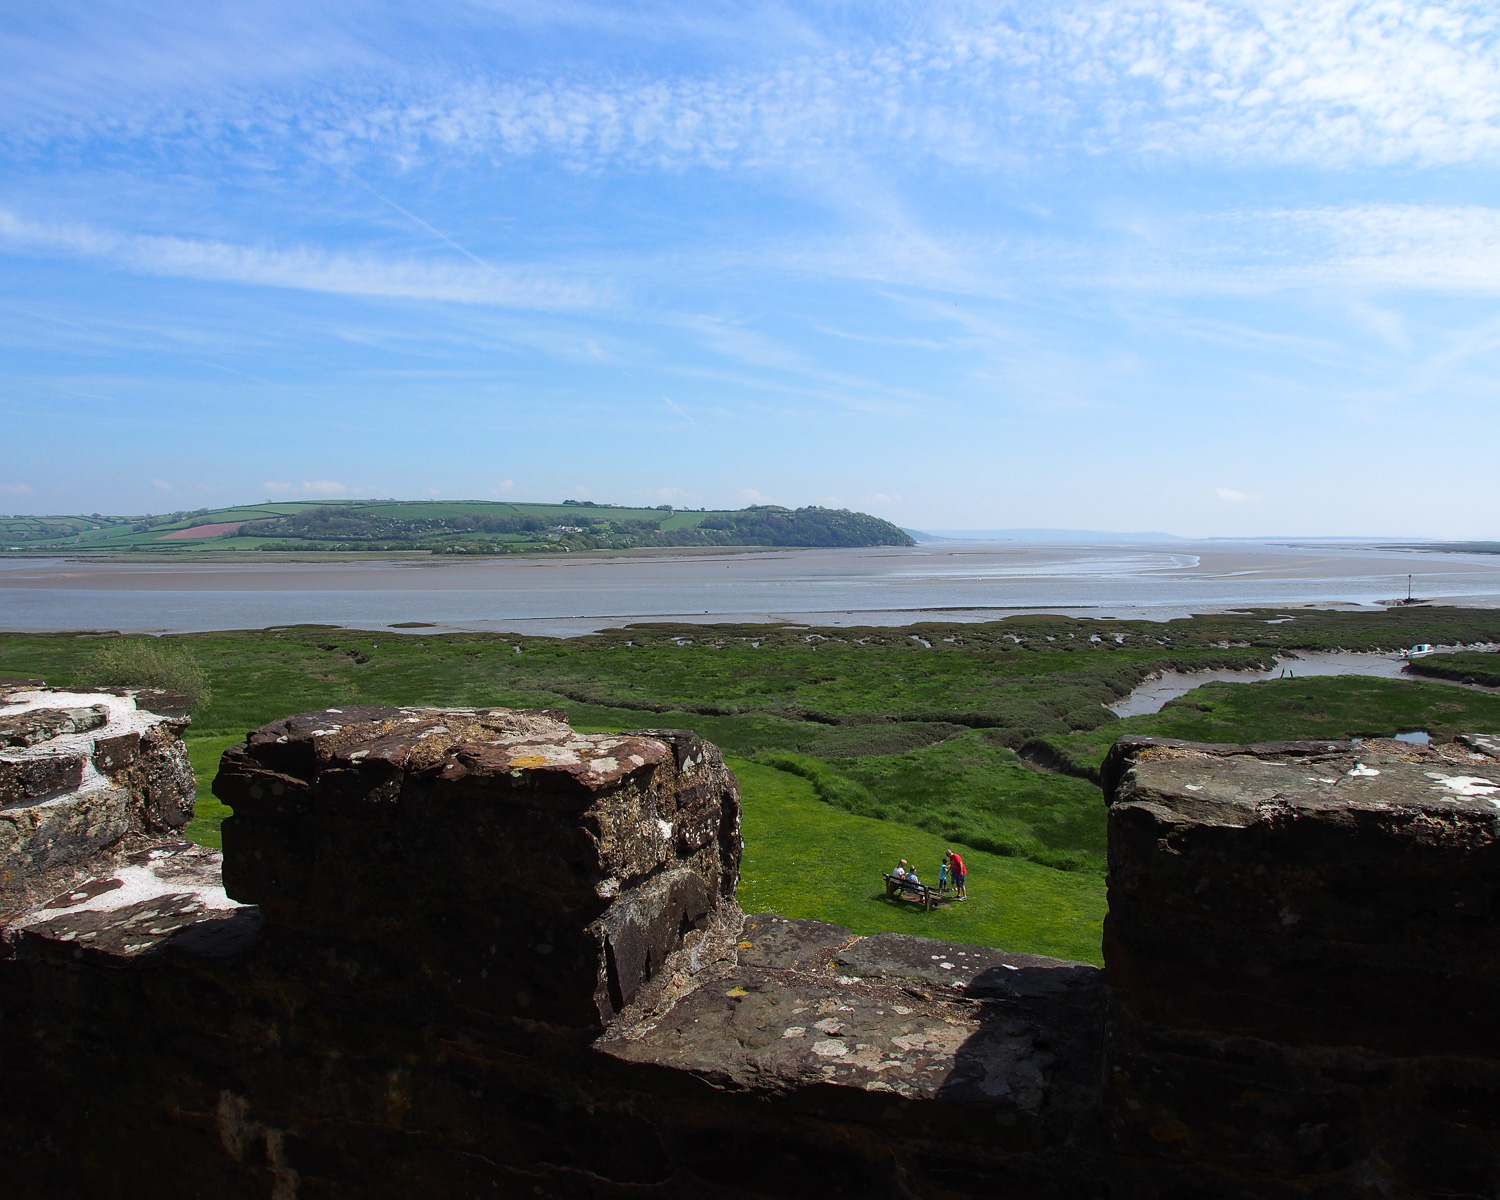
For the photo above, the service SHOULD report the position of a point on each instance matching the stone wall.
(1303, 941)
(471, 952)
(80, 773)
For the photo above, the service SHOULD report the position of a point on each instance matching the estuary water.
(567, 595)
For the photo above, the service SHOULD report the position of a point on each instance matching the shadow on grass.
(910, 911)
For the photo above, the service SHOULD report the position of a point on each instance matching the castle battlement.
(467, 952)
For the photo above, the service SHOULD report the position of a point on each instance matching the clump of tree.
(148, 663)
(770, 525)
(329, 527)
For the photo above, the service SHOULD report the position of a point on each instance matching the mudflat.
(575, 593)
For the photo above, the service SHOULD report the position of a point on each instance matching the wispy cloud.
(17, 489)
(1428, 247)
(304, 268)
(733, 339)
(314, 487)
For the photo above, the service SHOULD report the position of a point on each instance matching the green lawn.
(209, 814)
(804, 858)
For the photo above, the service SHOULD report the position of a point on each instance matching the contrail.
(437, 233)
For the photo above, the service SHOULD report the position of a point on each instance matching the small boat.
(1420, 650)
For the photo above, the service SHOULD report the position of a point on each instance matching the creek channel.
(1150, 696)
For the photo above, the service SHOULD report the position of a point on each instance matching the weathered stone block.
(500, 958)
(38, 776)
(1304, 943)
(38, 838)
(29, 726)
(1339, 897)
(968, 1080)
(167, 896)
(79, 772)
(528, 868)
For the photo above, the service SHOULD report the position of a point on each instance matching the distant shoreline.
(271, 557)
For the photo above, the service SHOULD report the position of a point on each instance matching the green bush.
(130, 662)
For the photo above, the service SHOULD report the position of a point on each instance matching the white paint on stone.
(123, 717)
(1465, 785)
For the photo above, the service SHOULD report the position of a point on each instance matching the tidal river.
(564, 595)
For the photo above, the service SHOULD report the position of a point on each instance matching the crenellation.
(483, 820)
(1304, 948)
(470, 951)
(81, 773)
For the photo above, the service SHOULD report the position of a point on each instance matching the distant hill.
(443, 527)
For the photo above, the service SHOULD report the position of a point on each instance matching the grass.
(914, 731)
(209, 813)
(1466, 667)
(967, 789)
(1335, 706)
(806, 859)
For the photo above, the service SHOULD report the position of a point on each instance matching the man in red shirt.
(960, 872)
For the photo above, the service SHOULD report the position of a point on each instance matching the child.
(943, 875)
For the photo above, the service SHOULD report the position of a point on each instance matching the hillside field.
(439, 527)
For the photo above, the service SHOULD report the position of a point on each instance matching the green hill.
(442, 527)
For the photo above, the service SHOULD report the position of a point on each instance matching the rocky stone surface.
(80, 773)
(166, 896)
(1002, 1050)
(578, 860)
(1304, 940)
(1487, 744)
(1338, 894)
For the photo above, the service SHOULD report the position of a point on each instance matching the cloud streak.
(301, 268)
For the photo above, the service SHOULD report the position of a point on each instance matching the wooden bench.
(919, 892)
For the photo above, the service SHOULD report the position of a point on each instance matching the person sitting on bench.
(911, 878)
(900, 871)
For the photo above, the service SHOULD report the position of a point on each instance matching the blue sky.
(1204, 267)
